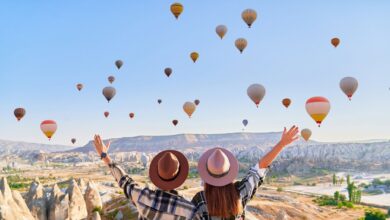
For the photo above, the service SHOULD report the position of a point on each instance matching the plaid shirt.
(247, 188)
(154, 204)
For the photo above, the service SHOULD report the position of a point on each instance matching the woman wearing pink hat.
(224, 199)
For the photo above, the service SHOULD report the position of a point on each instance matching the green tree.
(334, 179)
(341, 180)
(374, 214)
(348, 179)
(336, 195)
(351, 189)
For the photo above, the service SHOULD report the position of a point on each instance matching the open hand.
(289, 136)
(100, 146)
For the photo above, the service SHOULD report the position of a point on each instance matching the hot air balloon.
(159, 101)
(175, 122)
(249, 16)
(19, 113)
(286, 102)
(111, 79)
(256, 93)
(48, 127)
(189, 108)
(168, 71)
(194, 56)
(79, 86)
(241, 44)
(318, 108)
(118, 64)
(131, 115)
(221, 30)
(177, 9)
(106, 114)
(349, 86)
(197, 102)
(306, 133)
(335, 41)
(245, 122)
(73, 140)
(109, 92)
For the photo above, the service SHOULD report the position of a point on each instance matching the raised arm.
(287, 138)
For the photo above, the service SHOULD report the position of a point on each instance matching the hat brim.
(213, 180)
(178, 180)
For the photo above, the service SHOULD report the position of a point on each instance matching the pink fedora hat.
(218, 167)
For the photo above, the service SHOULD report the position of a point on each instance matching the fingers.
(108, 145)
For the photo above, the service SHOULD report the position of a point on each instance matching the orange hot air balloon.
(106, 114)
(318, 108)
(19, 113)
(335, 42)
(159, 101)
(111, 79)
(241, 44)
(249, 16)
(349, 86)
(194, 56)
(197, 102)
(189, 108)
(306, 133)
(73, 140)
(168, 71)
(221, 30)
(256, 93)
(79, 86)
(175, 122)
(109, 92)
(131, 115)
(177, 9)
(118, 64)
(49, 127)
(286, 102)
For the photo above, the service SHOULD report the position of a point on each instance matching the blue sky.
(47, 47)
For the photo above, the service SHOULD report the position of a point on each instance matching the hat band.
(217, 175)
(170, 179)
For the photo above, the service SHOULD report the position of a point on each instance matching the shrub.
(98, 209)
(185, 187)
(374, 214)
(279, 189)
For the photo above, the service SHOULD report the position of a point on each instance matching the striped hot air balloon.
(49, 127)
(318, 108)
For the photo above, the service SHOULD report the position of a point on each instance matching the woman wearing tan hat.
(168, 170)
(218, 168)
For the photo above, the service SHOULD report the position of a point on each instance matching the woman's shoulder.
(199, 197)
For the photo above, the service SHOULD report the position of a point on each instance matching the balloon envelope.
(249, 16)
(194, 56)
(73, 140)
(241, 44)
(109, 92)
(106, 114)
(175, 122)
(189, 108)
(335, 41)
(286, 102)
(111, 79)
(349, 86)
(221, 30)
(159, 101)
(245, 122)
(19, 113)
(118, 64)
(306, 133)
(318, 108)
(256, 93)
(168, 71)
(197, 102)
(48, 127)
(131, 115)
(177, 9)
(79, 86)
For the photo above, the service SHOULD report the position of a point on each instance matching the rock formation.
(58, 204)
(36, 200)
(95, 216)
(92, 197)
(81, 184)
(12, 205)
(77, 207)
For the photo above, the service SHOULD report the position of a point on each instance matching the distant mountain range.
(16, 146)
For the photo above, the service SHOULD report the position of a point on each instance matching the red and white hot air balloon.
(49, 127)
(318, 108)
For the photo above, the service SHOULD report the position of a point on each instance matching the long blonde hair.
(223, 201)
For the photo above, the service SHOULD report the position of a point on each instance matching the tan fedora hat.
(218, 167)
(168, 169)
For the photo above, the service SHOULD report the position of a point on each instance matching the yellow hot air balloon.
(318, 108)
(349, 86)
(256, 93)
(221, 30)
(49, 127)
(189, 108)
(306, 133)
(177, 9)
(241, 44)
(249, 16)
(194, 56)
